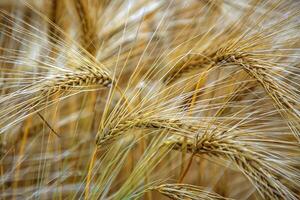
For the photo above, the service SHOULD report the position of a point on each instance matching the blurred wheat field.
(150, 99)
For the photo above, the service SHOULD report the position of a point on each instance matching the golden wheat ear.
(273, 180)
(270, 75)
(270, 71)
(56, 71)
(186, 191)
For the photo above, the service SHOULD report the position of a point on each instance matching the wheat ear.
(187, 191)
(259, 70)
(113, 132)
(260, 173)
(76, 79)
